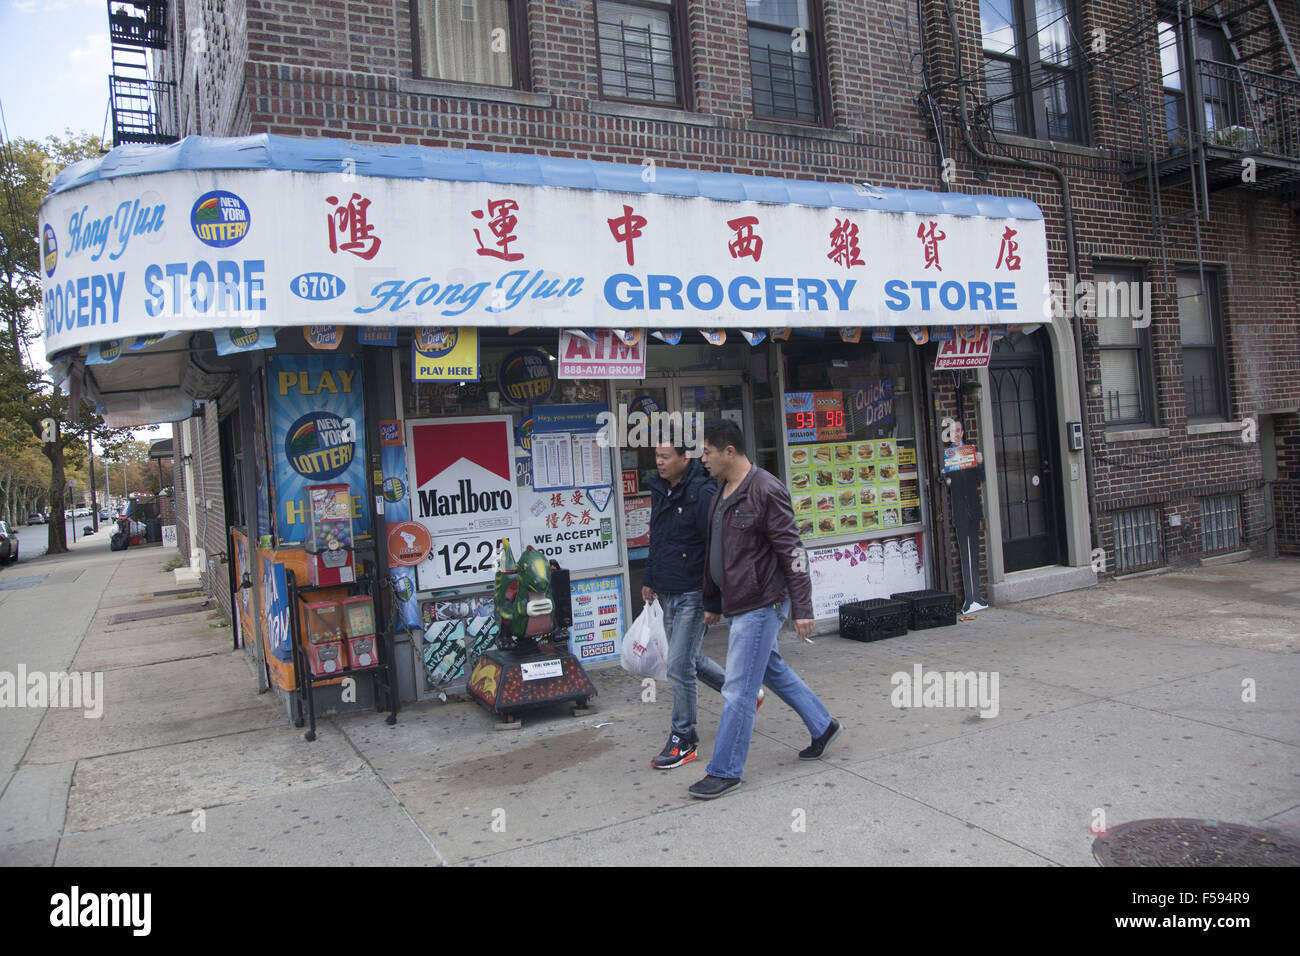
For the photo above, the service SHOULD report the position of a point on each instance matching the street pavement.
(1169, 695)
(34, 539)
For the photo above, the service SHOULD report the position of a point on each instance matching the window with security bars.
(784, 60)
(1221, 523)
(1137, 539)
(641, 51)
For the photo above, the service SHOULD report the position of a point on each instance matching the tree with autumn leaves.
(35, 417)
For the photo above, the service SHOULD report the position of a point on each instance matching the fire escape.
(142, 105)
(1225, 111)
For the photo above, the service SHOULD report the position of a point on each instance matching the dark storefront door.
(1024, 435)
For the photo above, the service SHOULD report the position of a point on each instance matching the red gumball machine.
(329, 535)
(359, 631)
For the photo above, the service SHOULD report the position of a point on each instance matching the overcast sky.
(54, 65)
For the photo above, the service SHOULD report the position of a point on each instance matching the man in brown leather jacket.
(755, 568)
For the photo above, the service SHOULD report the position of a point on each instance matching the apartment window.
(643, 51)
(1201, 336)
(1221, 110)
(1171, 79)
(1124, 350)
(1031, 68)
(1137, 539)
(472, 41)
(786, 65)
(1221, 523)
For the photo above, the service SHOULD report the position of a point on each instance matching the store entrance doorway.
(1024, 430)
(681, 398)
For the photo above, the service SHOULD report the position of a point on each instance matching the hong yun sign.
(179, 250)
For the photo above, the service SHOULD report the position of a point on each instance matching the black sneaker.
(818, 746)
(710, 788)
(676, 753)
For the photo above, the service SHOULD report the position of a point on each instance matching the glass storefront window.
(851, 461)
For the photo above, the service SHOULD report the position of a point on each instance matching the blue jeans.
(752, 659)
(684, 624)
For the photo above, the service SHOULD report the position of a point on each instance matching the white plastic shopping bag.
(645, 645)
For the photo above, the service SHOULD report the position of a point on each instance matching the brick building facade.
(883, 107)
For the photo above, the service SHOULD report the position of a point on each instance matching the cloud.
(30, 6)
(95, 47)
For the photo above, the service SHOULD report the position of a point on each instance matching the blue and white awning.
(267, 231)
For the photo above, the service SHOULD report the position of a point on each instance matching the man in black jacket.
(679, 518)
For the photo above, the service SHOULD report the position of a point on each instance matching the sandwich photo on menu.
(799, 480)
(799, 456)
(822, 454)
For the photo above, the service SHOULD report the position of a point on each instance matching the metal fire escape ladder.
(140, 104)
(1273, 23)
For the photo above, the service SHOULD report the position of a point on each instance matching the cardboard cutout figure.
(963, 469)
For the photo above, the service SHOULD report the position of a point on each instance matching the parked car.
(36, 518)
(105, 514)
(83, 512)
(8, 545)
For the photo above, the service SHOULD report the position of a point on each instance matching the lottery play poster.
(317, 436)
(396, 494)
(597, 631)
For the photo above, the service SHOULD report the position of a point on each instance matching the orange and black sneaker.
(676, 753)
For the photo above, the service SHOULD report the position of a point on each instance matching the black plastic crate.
(928, 608)
(873, 620)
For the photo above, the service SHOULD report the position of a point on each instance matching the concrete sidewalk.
(1116, 703)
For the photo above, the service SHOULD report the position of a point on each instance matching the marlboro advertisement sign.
(464, 496)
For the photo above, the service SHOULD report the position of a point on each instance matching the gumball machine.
(329, 535)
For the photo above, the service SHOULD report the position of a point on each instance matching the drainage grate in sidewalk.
(128, 616)
(1183, 842)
